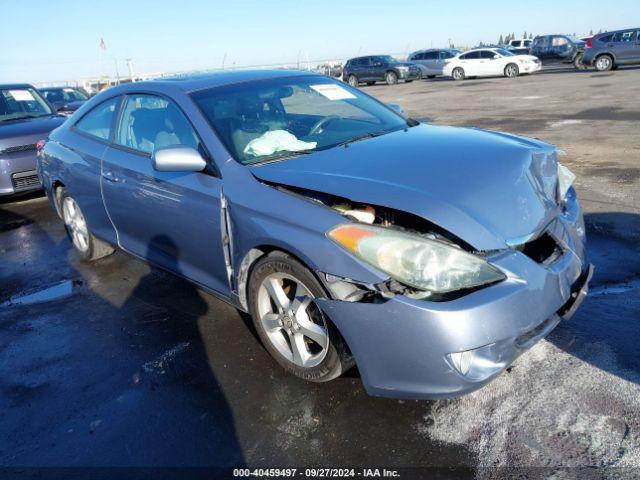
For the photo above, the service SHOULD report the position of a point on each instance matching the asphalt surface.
(118, 364)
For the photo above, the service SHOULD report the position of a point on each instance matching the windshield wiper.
(361, 137)
(282, 156)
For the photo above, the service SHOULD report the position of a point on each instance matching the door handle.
(109, 176)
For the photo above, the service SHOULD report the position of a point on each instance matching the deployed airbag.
(275, 141)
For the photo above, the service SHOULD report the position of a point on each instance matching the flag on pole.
(103, 45)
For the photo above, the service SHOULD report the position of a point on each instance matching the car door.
(172, 219)
(624, 46)
(85, 147)
(470, 63)
(377, 68)
(431, 60)
(490, 63)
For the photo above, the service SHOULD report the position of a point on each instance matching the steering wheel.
(321, 123)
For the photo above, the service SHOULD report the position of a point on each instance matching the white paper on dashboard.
(333, 92)
(21, 95)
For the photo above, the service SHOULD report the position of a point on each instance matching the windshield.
(503, 52)
(63, 95)
(16, 103)
(270, 119)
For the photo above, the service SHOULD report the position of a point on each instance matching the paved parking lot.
(125, 365)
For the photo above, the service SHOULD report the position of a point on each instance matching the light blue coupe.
(431, 257)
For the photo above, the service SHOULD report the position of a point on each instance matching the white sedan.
(488, 62)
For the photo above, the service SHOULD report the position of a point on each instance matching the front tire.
(391, 78)
(577, 62)
(89, 247)
(291, 326)
(511, 70)
(352, 80)
(604, 63)
(458, 74)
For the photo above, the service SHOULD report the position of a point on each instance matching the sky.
(58, 40)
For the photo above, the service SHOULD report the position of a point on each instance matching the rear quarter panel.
(74, 160)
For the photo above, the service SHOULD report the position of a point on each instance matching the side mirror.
(178, 159)
(397, 108)
(496, 56)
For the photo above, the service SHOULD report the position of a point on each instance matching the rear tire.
(352, 80)
(391, 78)
(89, 247)
(458, 74)
(604, 63)
(292, 328)
(511, 70)
(431, 76)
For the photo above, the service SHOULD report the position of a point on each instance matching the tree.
(501, 41)
(531, 36)
(524, 35)
(591, 32)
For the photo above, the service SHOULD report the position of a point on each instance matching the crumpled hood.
(21, 132)
(488, 188)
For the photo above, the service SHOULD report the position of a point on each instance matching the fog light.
(461, 361)
(481, 363)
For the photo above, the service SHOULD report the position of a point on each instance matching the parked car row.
(605, 51)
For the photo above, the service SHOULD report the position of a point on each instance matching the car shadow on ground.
(605, 331)
(112, 372)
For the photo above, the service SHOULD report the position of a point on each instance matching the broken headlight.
(418, 262)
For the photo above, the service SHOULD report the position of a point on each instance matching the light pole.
(130, 67)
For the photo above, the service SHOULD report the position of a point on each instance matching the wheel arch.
(608, 53)
(56, 191)
(254, 254)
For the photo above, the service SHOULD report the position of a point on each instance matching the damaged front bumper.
(411, 348)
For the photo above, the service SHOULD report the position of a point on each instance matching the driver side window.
(149, 122)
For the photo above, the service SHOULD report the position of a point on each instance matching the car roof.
(615, 31)
(7, 86)
(192, 82)
(479, 49)
(425, 50)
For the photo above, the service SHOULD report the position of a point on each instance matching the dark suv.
(558, 49)
(379, 68)
(25, 119)
(606, 51)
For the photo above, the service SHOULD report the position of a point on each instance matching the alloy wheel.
(603, 63)
(293, 323)
(511, 71)
(353, 81)
(75, 222)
